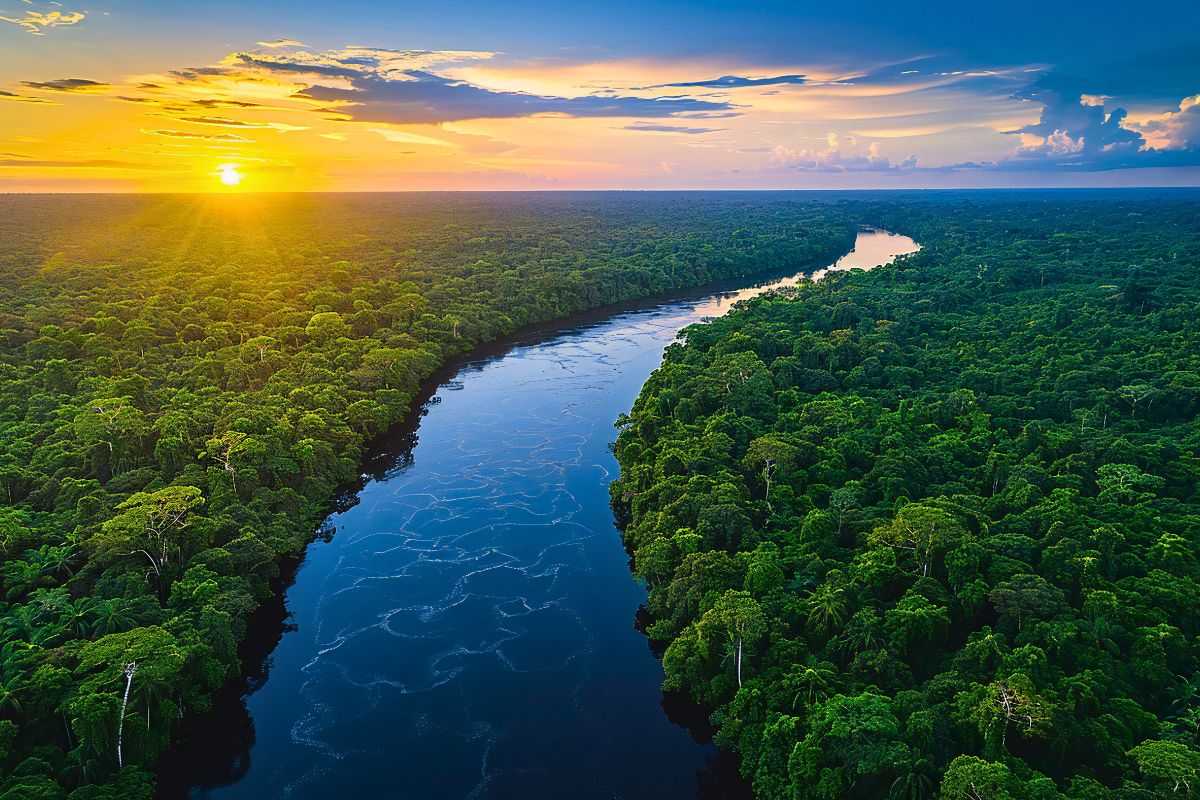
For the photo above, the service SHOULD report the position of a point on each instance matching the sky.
(134, 95)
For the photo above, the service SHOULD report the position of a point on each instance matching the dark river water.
(469, 629)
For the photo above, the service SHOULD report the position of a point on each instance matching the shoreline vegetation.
(187, 382)
(934, 529)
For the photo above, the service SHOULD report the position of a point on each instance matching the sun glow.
(229, 175)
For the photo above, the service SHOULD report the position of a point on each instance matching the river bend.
(468, 632)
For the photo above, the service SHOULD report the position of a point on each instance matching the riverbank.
(883, 518)
(229, 361)
(618, 625)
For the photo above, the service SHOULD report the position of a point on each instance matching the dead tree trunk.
(130, 669)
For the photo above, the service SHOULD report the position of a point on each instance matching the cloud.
(406, 137)
(97, 163)
(22, 98)
(1074, 132)
(281, 43)
(1175, 130)
(211, 137)
(318, 65)
(653, 128)
(224, 122)
(184, 104)
(971, 118)
(1071, 125)
(402, 87)
(380, 86)
(447, 137)
(426, 98)
(349, 62)
(833, 159)
(37, 22)
(734, 82)
(77, 85)
(227, 122)
(223, 103)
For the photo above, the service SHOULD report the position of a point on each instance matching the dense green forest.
(932, 530)
(186, 382)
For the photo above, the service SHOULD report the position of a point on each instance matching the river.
(468, 629)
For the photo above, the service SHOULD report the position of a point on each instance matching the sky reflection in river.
(468, 631)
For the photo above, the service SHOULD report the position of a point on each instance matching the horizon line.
(857, 190)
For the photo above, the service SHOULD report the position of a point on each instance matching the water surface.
(468, 632)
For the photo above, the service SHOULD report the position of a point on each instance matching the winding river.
(469, 629)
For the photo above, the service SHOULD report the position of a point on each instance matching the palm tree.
(82, 769)
(827, 607)
(811, 684)
(22, 578)
(53, 561)
(110, 616)
(79, 616)
(916, 783)
(10, 694)
(1104, 634)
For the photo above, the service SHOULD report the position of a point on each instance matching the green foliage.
(186, 382)
(962, 490)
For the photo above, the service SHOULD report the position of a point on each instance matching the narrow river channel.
(468, 631)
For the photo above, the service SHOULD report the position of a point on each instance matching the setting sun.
(229, 174)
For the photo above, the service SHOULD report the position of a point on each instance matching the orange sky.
(278, 115)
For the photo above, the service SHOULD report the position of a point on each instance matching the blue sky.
(538, 94)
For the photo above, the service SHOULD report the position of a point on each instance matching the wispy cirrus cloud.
(228, 122)
(38, 22)
(186, 104)
(649, 127)
(735, 82)
(210, 137)
(281, 43)
(87, 163)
